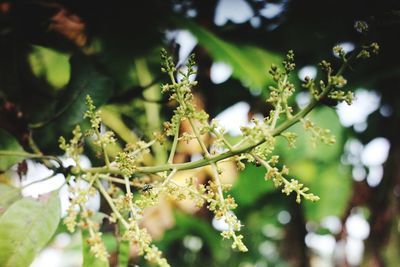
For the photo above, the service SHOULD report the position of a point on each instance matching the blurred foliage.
(8, 142)
(27, 236)
(54, 53)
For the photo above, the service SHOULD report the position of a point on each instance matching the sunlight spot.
(354, 251)
(268, 250)
(272, 231)
(360, 127)
(220, 72)
(357, 227)
(272, 10)
(234, 117)
(375, 175)
(284, 217)
(364, 104)
(332, 223)
(193, 243)
(359, 173)
(255, 22)
(237, 11)
(220, 224)
(321, 244)
(302, 99)
(187, 42)
(386, 110)
(309, 70)
(179, 76)
(347, 47)
(375, 152)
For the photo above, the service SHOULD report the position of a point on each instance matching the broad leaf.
(331, 182)
(50, 64)
(250, 64)
(251, 185)
(85, 80)
(8, 195)
(26, 227)
(325, 118)
(8, 143)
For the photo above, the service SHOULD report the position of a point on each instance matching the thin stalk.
(198, 137)
(218, 182)
(103, 148)
(168, 179)
(174, 145)
(110, 202)
(23, 154)
(38, 181)
(193, 191)
(116, 180)
(238, 149)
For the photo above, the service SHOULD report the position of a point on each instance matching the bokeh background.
(53, 53)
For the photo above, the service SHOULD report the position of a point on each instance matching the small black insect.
(147, 187)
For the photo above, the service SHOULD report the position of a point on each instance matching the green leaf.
(26, 227)
(325, 118)
(332, 183)
(189, 225)
(112, 118)
(250, 64)
(52, 65)
(8, 143)
(85, 80)
(124, 246)
(123, 253)
(9, 195)
(251, 185)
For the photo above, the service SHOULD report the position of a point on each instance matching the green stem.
(38, 181)
(152, 110)
(169, 177)
(218, 183)
(198, 137)
(23, 154)
(110, 202)
(243, 148)
(174, 145)
(103, 147)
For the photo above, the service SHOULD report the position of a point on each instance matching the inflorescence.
(129, 187)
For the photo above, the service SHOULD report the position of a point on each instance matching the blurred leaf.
(9, 194)
(8, 143)
(85, 80)
(112, 118)
(26, 227)
(123, 253)
(332, 183)
(123, 246)
(250, 64)
(50, 64)
(251, 185)
(187, 224)
(325, 118)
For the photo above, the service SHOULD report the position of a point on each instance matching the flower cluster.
(129, 184)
